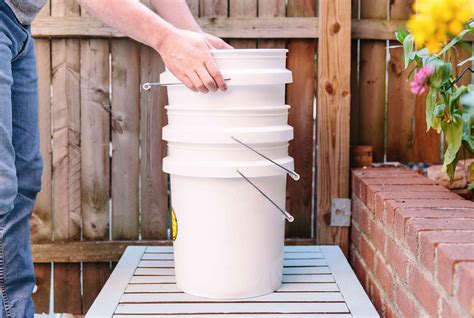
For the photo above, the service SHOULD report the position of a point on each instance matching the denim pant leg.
(20, 156)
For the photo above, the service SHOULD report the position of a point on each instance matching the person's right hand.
(186, 54)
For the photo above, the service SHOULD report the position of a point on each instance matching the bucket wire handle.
(293, 174)
(287, 215)
(147, 86)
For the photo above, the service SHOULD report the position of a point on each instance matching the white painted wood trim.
(350, 287)
(109, 297)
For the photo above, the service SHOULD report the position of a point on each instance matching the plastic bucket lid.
(249, 53)
(223, 135)
(244, 77)
(226, 168)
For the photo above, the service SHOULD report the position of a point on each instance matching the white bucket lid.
(226, 168)
(223, 135)
(249, 53)
(243, 77)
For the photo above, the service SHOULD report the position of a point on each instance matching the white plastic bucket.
(223, 116)
(229, 240)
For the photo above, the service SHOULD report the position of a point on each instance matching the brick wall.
(412, 244)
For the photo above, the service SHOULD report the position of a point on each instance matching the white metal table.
(317, 282)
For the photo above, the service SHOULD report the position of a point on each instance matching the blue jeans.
(20, 164)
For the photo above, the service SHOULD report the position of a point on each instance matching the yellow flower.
(436, 19)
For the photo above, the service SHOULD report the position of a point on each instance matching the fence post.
(334, 60)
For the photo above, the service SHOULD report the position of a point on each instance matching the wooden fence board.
(400, 101)
(243, 8)
(95, 157)
(300, 95)
(372, 83)
(125, 138)
(41, 226)
(252, 28)
(66, 157)
(333, 117)
(271, 9)
(154, 184)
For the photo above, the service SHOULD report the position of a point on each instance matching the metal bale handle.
(147, 86)
(293, 174)
(287, 215)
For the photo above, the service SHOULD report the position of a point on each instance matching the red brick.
(368, 172)
(409, 188)
(434, 203)
(367, 252)
(423, 289)
(375, 295)
(404, 214)
(377, 236)
(355, 185)
(360, 215)
(413, 228)
(355, 237)
(465, 291)
(448, 256)
(397, 260)
(389, 311)
(406, 304)
(448, 311)
(384, 276)
(402, 180)
(359, 269)
(428, 241)
(419, 195)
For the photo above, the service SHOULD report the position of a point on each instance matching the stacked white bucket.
(230, 238)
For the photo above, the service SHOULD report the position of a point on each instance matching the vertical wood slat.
(300, 96)
(243, 8)
(95, 158)
(125, 138)
(41, 226)
(66, 157)
(355, 80)
(193, 7)
(154, 185)
(271, 8)
(372, 83)
(400, 101)
(407, 139)
(333, 116)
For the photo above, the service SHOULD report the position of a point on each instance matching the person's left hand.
(215, 42)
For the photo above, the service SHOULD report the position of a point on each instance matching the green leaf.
(468, 99)
(430, 106)
(470, 186)
(407, 49)
(453, 132)
(439, 111)
(400, 35)
(441, 75)
(454, 41)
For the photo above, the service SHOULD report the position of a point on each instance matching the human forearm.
(132, 18)
(177, 13)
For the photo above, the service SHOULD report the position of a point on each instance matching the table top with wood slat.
(317, 282)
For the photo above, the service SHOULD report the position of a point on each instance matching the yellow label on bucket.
(174, 225)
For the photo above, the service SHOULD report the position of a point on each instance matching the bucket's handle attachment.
(293, 174)
(147, 86)
(287, 215)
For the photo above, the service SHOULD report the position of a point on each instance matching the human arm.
(177, 13)
(185, 53)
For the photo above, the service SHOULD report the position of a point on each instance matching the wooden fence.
(103, 188)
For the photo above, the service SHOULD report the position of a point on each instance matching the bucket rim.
(242, 52)
(225, 108)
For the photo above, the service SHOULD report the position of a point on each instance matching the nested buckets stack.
(228, 161)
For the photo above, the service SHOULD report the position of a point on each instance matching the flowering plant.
(434, 31)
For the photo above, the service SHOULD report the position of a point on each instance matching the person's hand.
(187, 56)
(215, 42)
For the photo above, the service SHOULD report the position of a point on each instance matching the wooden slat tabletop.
(317, 282)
